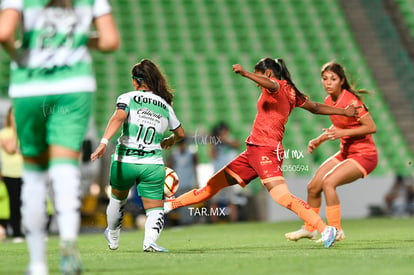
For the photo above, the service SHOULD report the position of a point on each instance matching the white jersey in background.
(54, 56)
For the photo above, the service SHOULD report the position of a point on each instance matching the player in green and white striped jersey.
(144, 115)
(51, 85)
(143, 130)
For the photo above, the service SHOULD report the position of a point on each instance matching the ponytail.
(285, 74)
(147, 72)
(280, 70)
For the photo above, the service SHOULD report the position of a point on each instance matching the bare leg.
(344, 173)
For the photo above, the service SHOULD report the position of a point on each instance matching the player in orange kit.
(261, 158)
(356, 158)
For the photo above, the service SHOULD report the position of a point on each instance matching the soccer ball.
(171, 182)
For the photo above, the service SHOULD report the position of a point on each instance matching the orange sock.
(308, 226)
(282, 196)
(333, 215)
(214, 184)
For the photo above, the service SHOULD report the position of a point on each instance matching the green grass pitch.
(372, 246)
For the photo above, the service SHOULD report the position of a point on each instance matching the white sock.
(66, 186)
(115, 213)
(34, 215)
(154, 225)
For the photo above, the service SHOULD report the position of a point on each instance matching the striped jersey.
(54, 58)
(149, 116)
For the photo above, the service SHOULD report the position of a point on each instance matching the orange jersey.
(273, 110)
(354, 144)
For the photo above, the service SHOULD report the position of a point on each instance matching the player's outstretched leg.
(280, 193)
(307, 231)
(217, 182)
(302, 233)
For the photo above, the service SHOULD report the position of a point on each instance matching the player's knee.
(328, 182)
(314, 190)
(230, 179)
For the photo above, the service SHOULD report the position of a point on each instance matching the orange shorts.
(366, 162)
(257, 161)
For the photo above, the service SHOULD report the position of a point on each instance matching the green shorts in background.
(148, 177)
(52, 120)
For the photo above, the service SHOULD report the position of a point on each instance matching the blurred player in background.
(356, 158)
(11, 172)
(144, 115)
(397, 199)
(184, 160)
(51, 85)
(222, 152)
(279, 96)
(4, 210)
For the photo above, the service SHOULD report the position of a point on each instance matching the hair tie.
(277, 61)
(137, 78)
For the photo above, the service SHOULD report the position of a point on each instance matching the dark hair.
(280, 70)
(146, 71)
(219, 127)
(339, 70)
(67, 4)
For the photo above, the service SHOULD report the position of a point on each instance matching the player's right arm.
(9, 21)
(316, 142)
(261, 80)
(112, 128)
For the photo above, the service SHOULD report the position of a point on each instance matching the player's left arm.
(177, 135)
(367, 127)
(106, 38)
(112, 128)
(323, 109)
